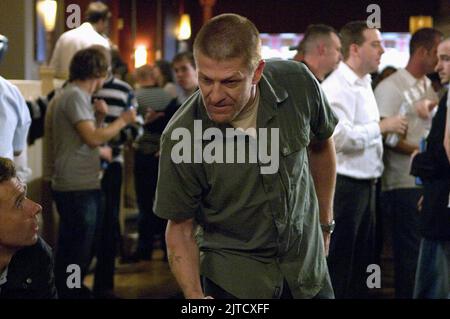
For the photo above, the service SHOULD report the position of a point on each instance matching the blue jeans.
(433, 270)
(78, 212)
(109, 228)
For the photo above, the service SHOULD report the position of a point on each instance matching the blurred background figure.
(320, 50)
(91, 32)
(164, 77)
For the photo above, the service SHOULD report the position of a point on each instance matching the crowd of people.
(349, 154)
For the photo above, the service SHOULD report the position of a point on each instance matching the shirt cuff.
(373, 131)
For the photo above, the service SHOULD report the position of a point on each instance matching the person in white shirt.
(15, 119)
(89, 33)
(358, 140)
(406, 92)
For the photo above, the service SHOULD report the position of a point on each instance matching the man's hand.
(101, 109)
(424, 107)
(106, 153)
(151, 116)
(129, 116)
(420, 204)
(394, 124)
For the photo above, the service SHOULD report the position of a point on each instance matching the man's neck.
(96, 27)
(87, 85)
(314, 66)
(190, 92)
(415, 69)
(356, 67)
(251, 100)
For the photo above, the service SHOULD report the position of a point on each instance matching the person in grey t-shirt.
(76, 132)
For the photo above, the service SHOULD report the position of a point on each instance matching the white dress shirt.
(71, 42)
(357, 136)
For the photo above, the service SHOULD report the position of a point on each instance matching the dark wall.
(277, 16)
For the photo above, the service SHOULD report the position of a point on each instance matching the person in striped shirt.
(119, 96)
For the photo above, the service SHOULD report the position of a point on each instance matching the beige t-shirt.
(247, 119)
(399, 89)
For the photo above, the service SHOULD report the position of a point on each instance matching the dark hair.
(184, 56)
(118, 66)
(96, 12)
(423, 38)
(314, 32)
(7, 169)
(352, 33)
(87, 64)
(229, 36)
(166, 71)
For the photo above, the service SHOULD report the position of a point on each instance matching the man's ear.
(354, 50)
(321, 48)
(258, 72)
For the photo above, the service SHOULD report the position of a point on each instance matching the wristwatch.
(328, 228)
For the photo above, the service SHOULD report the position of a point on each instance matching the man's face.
(443, 64)
(333, 53)
(185, 75)
(226, 86)
(18, 216)
(431, 56)
(103, 26)
(371, 50)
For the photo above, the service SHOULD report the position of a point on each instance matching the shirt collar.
(410, 79)
(87, 25)
(270, 96)
(352, 77)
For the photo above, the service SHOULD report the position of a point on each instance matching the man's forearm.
(404, 147)
(183, 255)
(323, 169)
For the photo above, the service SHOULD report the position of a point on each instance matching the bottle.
(130, 100)
(393, 138)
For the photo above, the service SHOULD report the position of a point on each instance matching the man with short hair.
(401, 93)
(359, 147)
(91, 32)
(183, 65)
(320, 50)
(259, 232)
(433, 167)
(26, 262)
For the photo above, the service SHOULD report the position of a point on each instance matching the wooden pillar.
(208, 6)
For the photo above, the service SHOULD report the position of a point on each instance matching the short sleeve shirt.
(15, 120)
(402, 90)
(77, 165)
(256, 229)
